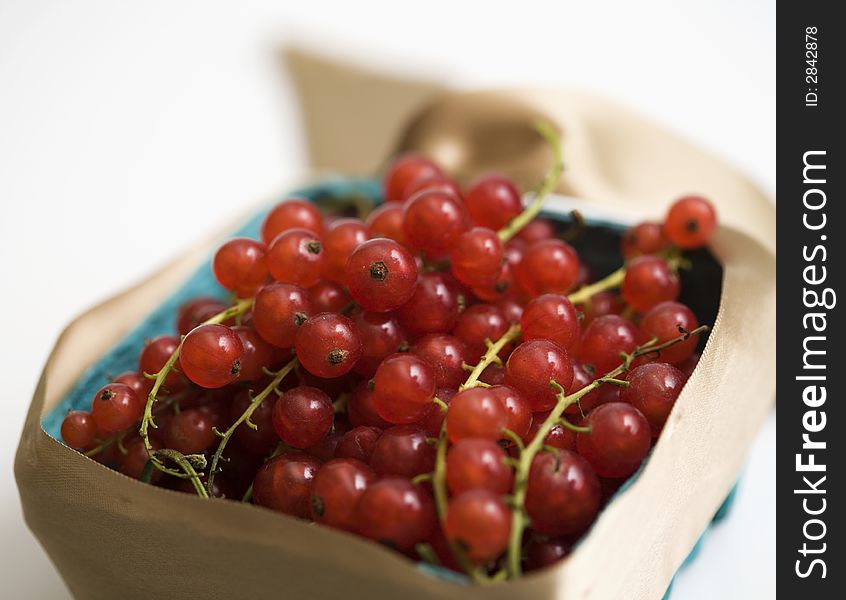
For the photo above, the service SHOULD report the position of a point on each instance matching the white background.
(130, 129)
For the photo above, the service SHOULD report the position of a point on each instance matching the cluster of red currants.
(390, 376)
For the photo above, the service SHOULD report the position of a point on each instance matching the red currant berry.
(381, 336)
(278, 312)
(532, 366)
(196, 311)
(189, 432)
(601, 304)
(336, 489)
(139, 384)
(381, 275)
(476, 413)
(480, 522)
(211, 356)
(478, 323)
(395, 512)
(342, 240)
(433, 222)
(240, 265)
(290, 214)
(358, 443)
(542, 553)
(563, 494)
(536, 230)
(433, 308)
(493, 201)
(404, 171)
(155, 355)
(500, 288)
(690, 222)
(511, 308)
(79, 429)
(649, 281)
(667, 321)
(361, 410)
(551, 317)
(328, 345)
(604, 340)
(296, 256)
(548, 266)
(262, 440)
(402, 451)
(653, 389)
(445, 354)
(133, 462)
(404, 386)
(437, 183)
(303, 416)
(284, 484)
(257, 355)
(558, 436)
(328, 296)
(519, 410)
(386, 222)
(618, 441)
(474, 464)
(643, 238)
(477, 259)
(116, 407)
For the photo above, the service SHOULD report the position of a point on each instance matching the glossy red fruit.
(336, 489)
(279, 311)
(662, 322)
(358, 443)
(690, 222)
(328, 296)
(502, 288)
(604, 340)
(649, 281)
(445, 354)
(480, 522)
(403, 451)
(303, 416)
(296, 256)
(258, 354)
(478, 257)
(139, 384)
(476, 413)
(518, 408)
(240, 265)
(537, 229)
(601, 304)
(328, 345)
(475, 464)
(155, 355)
(262, 440)
(542, 553)
(437, 183)
(552, 317)
(381, 275)
(195, 311)
(511, 308)
(285, 483)
(493, 201)
(361, 410)
(189, 432)
(79, 429)
(211, 356)
(342, 239)
(433, 222)
(434, 306)
(618, 441)
(395, 512)
(532, 366)
(558, 436)
(404, 171)
(563, 494)
(644, 238)
(116, 407)
(478, 323)
(582, 376)
(653, 389)
(548, 266)
(290, 214)
(404, 386)
(386, 222)
(381, 336)
(133, 462)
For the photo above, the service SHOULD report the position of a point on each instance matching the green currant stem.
(181, 460)
(491, 356)
(245, 417)
(583, 295)
(549, 182)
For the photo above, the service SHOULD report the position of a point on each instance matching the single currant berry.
(649, 280)
(559, 436)
(563, 494)
(402, 451)
(278, 312)
(325, 449)
(79, 429)
(478, 257)
(189, 432)
(284, 484)
(196, 311)
(601, 304)
(690, 222)
(552, 317)
(445, 354)
(211, 356)
(536, 230)
(291, 214)
(328, 345)
(328, 296)
(436, 183)
(303, 416)
(531, 368)
(404, 171)
(604, 340)
(493, 201)
(361, 409)
(358, 443)
(342, 239)
(548, 266)
(155, 355)
(262, 440)
(544, 552)
(386, 222)
(668, 321)
(618, 441)
(395, 512)
(258, 354)
(475, 464)
(433, 222)
(381, 275)
(653, 389)
(518, 408)
(480, 522)
(433, 420)
(643, 238)
(139, 384)
(403, 388)
(511, 308)
(296, 256)
(477, 324)
(584, 375)
(502, 288)
(116, 407)
(336, 489)
(240, 265)
(381, 336)
(476, 413)
(433, 307)
(136, 458)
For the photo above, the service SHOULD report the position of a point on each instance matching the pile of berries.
(421, 377)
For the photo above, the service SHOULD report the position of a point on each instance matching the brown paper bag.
(114, 537)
